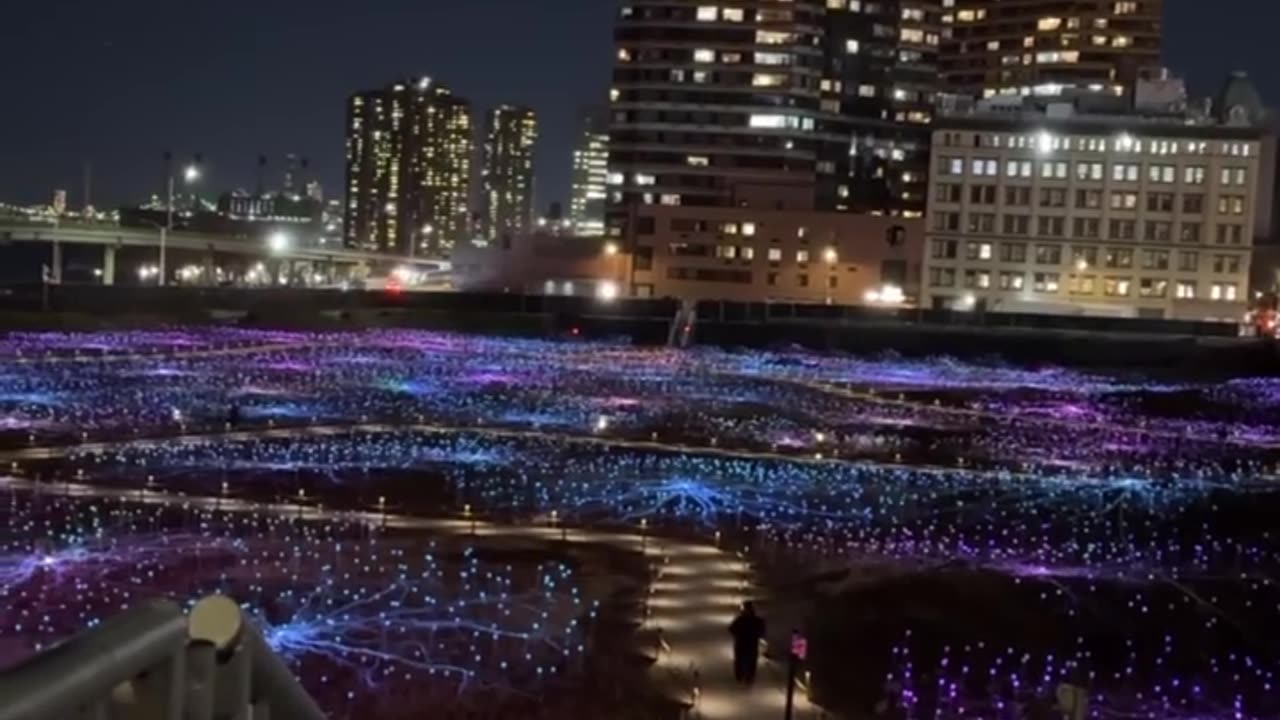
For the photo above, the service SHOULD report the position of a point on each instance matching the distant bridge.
(205, 248)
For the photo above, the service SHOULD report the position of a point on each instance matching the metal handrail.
(83, 671)
(152, 661)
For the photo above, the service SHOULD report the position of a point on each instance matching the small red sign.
(799, 646)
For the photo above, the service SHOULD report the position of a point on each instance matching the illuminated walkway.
(696, 591)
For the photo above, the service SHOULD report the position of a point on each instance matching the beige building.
(757, 254)
(1060, 212)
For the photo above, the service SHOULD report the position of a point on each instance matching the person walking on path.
(747, 630)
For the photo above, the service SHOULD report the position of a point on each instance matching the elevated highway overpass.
(205, 251)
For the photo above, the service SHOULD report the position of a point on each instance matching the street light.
(190, 174)
(607, 291)
(611, 249)
(278, 242)
(427, 231)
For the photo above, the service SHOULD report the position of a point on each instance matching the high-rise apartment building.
(590, 175)
(825, 102)
(409, 150)
(510, 135)
(1050, 47)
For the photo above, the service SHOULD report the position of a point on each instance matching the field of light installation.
(970, 537)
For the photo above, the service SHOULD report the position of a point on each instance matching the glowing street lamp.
(279, 242)
(190, 174)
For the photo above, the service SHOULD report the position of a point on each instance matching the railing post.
(232, 686)
(160, 693)
(218, 619)
(202, 664)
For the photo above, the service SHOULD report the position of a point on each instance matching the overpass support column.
(55, 264)
(108, 265)
(210, 269)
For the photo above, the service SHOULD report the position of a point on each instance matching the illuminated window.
(768, 121)
(708, 13)
(1124, 200)
(768, 80)
(985, 167)
(1049, 23)
(851, 47)
(1116, 287)
(771, 58)
(1226, 292)
(1045, 282)
(778, 122)
(1233, 176)
(768, 37)
(704, 55)
(1124, 172)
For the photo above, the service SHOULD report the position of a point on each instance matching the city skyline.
(105, 96)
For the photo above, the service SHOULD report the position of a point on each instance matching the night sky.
(116, 82)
